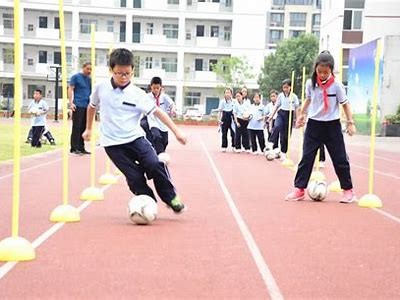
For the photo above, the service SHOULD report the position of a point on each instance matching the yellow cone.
(335, 187)
(16, 249)
(108, 178)
(287, 162)
(370, 201)
(65, 213)
(317, 175)
(92, 194)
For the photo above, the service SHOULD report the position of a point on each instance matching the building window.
(212, 63)
(316, 33)
(198, 64)
(8, 21)
(30, 61)
(56, 23)
(137, 3)
(200, 30)
(175, 2)
(57, 58)
(123, 3)
(149, 28)
(354, 4)
(352, 20)
(295, 33)
(316, 19)
(192, 98)
(8, 90)
(170, 31)
(169, 64)
(227, 33)
(277, 19)
(42, 57)
(318, 3)
(278, 2)
(148, 62)
(299, 2)
(42, 22)
(298, 19)
(8, 55)
(275, 36)
(30, 27)
(188, 35)
(214, 31)
(110, 26)
(228, 3)
(85, 25)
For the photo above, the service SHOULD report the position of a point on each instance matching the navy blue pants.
(145, 126)
(330, 134)
(281, 129)
(159, 139)
(257, 134)
(138, 158)
(78, 127)
(242, 135)
(37, 132)
(226, 125)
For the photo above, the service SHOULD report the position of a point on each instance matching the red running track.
(238, 239)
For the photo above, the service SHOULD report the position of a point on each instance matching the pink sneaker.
(348, 196)
(296, 195)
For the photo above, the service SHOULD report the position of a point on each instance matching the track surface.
(238, 239)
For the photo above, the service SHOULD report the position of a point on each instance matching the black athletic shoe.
(85, 152)
(177, 206)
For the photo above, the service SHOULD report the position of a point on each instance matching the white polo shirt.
(120, 112)
(166, 105)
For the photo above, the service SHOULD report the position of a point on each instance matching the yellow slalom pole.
(288, 162)
(371, 200)
(64, 212)
(107, 177)
(93, 193)
(16, 248)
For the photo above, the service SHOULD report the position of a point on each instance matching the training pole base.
(16, 249)
(65, 213)
(370, 201)
(317, 175)
(287, 162)
(335, 187)
(108, 179)
(92, 194)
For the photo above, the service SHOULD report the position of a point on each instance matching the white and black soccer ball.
(317, 190)
(269, 155)
(142, 209)
(164, 157)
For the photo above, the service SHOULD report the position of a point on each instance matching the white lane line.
(376, 171)
(376, 156)
(8, 266)
(262, 266)
(32, 168)
(386, 214)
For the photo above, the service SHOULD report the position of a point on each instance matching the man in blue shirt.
(79, 90)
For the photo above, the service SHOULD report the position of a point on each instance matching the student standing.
(269, 109)
(38, 109)
(323, 96)
(159, 131)
(256, 124)
(121, 107)
(286, 103)
(225, 118)
(79, 90)
(241, 114)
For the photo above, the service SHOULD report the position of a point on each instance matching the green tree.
(291, 54)
(233, 71)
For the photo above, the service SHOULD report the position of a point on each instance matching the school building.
(178, 40)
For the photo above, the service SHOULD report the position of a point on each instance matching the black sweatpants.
(159, 139)
(242, 135)
(259, 135)
(78, 127)
(137, 158)
(281, 129)
(37, 132)
(227, 123)
(330, 134)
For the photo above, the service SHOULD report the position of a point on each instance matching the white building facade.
(178, 40)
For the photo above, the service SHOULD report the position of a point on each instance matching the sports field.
(238, 239)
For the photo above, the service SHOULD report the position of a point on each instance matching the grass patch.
(7, 141)
(363, 124)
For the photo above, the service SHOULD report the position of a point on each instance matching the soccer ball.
(317, 190)
(142, 209)
(164, 157)
(269, 155)
(33, 111)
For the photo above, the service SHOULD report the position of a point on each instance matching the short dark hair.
(39, 91)
(122, 57)
(156, 80)
(85, 64)
(287, 82)
(273, 92)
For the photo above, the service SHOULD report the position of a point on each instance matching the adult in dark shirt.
(79, 90)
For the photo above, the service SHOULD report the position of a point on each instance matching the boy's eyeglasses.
(121, 74)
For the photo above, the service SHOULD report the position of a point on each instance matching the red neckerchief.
(157, 99)
(325, 86)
